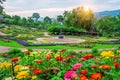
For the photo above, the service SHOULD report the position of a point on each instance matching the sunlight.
(86, 8)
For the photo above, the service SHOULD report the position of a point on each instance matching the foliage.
(108, 26)
(36, 16)
(1, 7)
(80, 18)
(61, 65)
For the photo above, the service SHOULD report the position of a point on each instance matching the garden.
(60, 65)
(74, 45)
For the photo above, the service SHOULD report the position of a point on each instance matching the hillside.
(105, 13)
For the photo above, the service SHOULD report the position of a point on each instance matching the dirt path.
(46, 34)
(2, 34)
(6, 49)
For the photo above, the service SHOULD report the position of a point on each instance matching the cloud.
(52, 8)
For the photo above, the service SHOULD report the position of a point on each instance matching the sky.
(52, 8)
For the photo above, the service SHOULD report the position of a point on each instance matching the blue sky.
(53, 8)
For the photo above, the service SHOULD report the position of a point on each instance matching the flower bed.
(60, 65)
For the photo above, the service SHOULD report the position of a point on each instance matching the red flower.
(47, 70)
(69, 57)
(14, 60)
(96, 76)
(48, 57)
(86, 57)
(64, 60)
(84, 72)
(63, 50)
(39, 61)
(36, 72)
(55, 70)
(59, 58)
(4, 55)
(83, 77)
(116, 64)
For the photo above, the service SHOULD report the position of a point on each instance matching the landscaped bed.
(60, 65)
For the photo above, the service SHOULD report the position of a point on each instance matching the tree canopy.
(81, 18)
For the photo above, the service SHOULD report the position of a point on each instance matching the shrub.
(2, 26)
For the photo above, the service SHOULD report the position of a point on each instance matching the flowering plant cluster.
(61, 65)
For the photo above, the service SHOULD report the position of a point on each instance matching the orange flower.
(84, 72)
(83, 77)
(36, 72)
(94, 66)
(39, 61)
(33, 68)
(105, 67)
(4, 55)
(51, 52)
(14, 60)
(27, 52)
(96, 76)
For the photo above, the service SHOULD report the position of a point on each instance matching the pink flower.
(76, 66)
(70, 75)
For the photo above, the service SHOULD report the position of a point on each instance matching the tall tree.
(79, 17)
(1, 7)
(60, 19)
(36, 16)
(47, 20)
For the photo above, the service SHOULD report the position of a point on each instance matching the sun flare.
(86, 8)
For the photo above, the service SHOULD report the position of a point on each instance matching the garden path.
(6, 49)
(46, 34)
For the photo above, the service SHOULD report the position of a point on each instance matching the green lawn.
(10, 44)
(17, 45)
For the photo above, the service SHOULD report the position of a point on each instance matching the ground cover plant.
(60, 65)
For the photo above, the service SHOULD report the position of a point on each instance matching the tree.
(60, 18)
(47, 20)
(81, 18)
(36, 16)
(1, 7)
(108, 25)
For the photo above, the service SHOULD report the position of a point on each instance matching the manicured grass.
(17, 45)
(103, 46)
(10, 44)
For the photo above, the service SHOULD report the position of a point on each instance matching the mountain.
(105, 13)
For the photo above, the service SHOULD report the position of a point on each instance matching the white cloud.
(52, 8)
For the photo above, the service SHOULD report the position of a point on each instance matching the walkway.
(6, 49)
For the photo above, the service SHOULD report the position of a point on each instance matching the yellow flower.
(56, 55)
(5, 65)
(118, 51)
(107, 54)
(34, 77)
(17, 67)
(22, 75)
